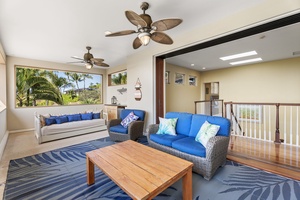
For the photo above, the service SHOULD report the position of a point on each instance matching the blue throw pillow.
(87, 116)
(61, 119)
(50, 120)
(75, 117)
(96, 115)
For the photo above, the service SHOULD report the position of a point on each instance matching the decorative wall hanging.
(138, 92)
(167, 77)
(179, 78)
(122, 90)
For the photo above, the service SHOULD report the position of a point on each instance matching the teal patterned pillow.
(167, 126)
(206, 132)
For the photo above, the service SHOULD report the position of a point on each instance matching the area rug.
(61, 174)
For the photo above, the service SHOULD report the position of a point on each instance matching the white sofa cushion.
(70, 126)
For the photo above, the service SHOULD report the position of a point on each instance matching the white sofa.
(45, 133)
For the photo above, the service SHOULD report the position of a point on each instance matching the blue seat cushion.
(190, 146)
(198, 120)
(183, 123)
(165, 139)
(119, 129)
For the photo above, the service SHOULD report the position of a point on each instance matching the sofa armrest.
(113, 122)
(217, 147)
(152, 128)
(37, 127)
(135, 129)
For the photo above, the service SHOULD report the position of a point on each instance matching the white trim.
(21, 130)
(2, 106)
(3, 144)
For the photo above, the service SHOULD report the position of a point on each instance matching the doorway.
(211, 94)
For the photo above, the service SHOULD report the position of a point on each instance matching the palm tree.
(74, 77)
(59, 82)
(85, 76)
(32, 86)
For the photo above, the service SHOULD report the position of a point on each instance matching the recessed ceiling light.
(192, 64)
(245, 61)
(203, 68)
(240, 55)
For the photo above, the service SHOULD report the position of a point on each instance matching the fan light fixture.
(89, 60)
(145, 38)
(88, 65)
(146, 29)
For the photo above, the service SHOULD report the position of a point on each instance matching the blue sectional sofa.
(206, 160)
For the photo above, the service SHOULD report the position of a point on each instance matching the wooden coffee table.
(141, 171)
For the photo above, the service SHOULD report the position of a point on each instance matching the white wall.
(141, 64)
(19, 119)
(3, 128)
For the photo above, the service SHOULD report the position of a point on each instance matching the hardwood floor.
(276, 158)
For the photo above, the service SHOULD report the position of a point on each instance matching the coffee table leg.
(90, 171)
(187, 185)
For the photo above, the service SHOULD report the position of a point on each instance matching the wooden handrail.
(277, 132)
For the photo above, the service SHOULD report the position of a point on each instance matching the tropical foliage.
(119, 78)
(39, 87)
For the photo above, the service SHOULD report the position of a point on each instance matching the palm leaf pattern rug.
(61, 174)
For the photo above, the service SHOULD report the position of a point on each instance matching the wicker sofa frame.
(216, 152)
(135, 129)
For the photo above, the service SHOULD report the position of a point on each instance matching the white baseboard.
(3, 144)
(22, 130)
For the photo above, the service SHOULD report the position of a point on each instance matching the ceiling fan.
(89, 60)
(147, 29)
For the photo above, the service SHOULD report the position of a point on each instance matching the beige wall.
(276, 81)
(2, 55)
(22, 118)
(180, 98)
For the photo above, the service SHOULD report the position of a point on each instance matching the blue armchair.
(135, 129)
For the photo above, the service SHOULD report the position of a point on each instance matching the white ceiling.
(56, 30)
(276, 44)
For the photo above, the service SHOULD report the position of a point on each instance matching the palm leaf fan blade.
(136, 43)
(97, 59)
(104, 65)
(166, 24)
(120, 33)
(135, 19)
(161, 37)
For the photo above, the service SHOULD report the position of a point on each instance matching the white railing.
(278, 122)
(212, 107)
